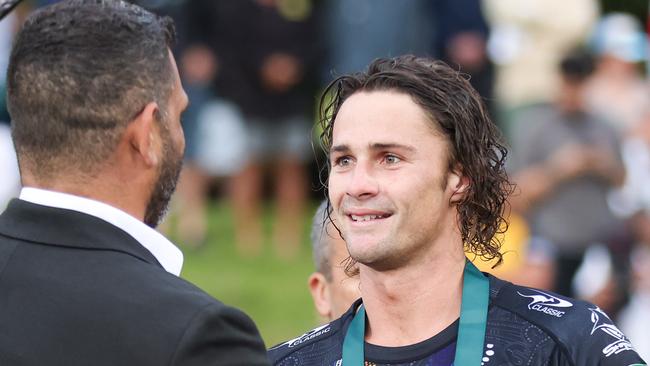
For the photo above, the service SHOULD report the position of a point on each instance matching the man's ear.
(320, 293)
(143, 135)
(458, 183)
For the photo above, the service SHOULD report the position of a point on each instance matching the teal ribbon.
(354, 338)
(471, 330)
(473, 317)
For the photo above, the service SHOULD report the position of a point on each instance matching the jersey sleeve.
(320, 346)
(584, 334)
(602, 343)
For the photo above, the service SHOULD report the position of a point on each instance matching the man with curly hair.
(416, 175)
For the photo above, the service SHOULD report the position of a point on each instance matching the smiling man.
(417, 175)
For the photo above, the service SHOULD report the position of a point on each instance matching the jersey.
(525, 326)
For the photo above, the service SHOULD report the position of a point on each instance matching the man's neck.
(98, 190)
(413, 303)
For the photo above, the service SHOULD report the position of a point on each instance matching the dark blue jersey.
(524, 327)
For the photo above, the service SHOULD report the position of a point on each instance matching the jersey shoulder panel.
(583, 332)
(320, 346)
(308, 349)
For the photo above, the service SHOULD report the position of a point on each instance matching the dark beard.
(170, 170)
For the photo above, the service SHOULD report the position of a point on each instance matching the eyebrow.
(389, 146)
(339, 148)
(375, 146)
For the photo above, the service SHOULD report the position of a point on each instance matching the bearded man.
(95, 101)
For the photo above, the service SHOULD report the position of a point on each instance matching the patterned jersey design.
(525, 327)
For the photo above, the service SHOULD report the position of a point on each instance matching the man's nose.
(363, 183)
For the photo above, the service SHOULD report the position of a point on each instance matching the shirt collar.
(167, 254)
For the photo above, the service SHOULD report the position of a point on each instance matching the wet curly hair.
(456, 110)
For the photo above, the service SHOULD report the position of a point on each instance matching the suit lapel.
(67, 228)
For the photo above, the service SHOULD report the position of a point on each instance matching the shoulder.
(319, 346)
(581, 331)
(313, 344)
(201, 330)
(197, 328)
(533, 304)
(231, 334)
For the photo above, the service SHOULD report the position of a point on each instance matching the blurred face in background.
(334, 293)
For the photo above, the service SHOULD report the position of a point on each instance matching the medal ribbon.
(471, 330)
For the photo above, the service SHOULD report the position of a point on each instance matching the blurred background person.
(620, 91)
(527, 41)
(568, 160)
(356, 32)
(259, 56)
(332, 289)
(461, 35)
(617, 90)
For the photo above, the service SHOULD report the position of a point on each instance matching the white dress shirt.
(167, 254)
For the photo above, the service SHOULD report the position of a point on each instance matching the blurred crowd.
(566, 81)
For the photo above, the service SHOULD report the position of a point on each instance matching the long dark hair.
(456, 110)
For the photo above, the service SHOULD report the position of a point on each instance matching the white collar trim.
(167, 254)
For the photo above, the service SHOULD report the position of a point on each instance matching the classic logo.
(547, 304)
(601, 321)
(306, 337)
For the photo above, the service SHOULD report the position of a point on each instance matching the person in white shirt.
(95, 100)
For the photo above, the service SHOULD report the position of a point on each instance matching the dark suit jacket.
(76, 290)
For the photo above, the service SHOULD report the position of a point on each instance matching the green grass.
(272, 291)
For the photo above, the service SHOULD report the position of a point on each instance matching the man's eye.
(392, 159)
(343, 161)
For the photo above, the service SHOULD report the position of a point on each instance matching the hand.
(601, 160)
(570, 161)
(576, 160)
